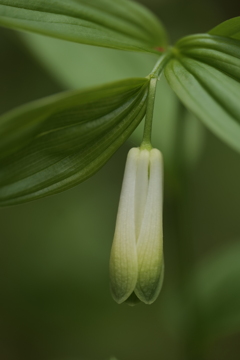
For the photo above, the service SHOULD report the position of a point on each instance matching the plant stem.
(146, 142)
(154, 77)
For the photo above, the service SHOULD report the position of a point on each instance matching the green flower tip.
(136, 261)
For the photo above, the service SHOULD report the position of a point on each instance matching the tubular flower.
(136, 261)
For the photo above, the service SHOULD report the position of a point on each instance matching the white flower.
(136, 261)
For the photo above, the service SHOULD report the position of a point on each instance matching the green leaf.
(55, 143)
(119, 24)
(229, 28)
(206, 77)
(210, 94)
(219, 52)
(217, 289)
(69, 61)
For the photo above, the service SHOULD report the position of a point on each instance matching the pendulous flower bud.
(136, 261)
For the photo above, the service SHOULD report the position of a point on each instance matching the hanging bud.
(136, 261)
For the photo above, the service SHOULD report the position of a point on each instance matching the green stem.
(154, 77)
(146, 142)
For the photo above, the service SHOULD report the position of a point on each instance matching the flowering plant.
(55, 143)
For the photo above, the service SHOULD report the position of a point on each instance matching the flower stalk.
(146, 142)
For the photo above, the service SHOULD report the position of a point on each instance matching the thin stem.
(146, 142)
(154, 77)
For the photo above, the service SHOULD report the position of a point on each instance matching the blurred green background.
(55, 299)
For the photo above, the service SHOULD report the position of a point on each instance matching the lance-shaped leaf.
(119, 24)
(62, 140)
(229, 28)
(205, 74)
(210, 94)
(220, 52)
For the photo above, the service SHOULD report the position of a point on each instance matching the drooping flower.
(136, 261)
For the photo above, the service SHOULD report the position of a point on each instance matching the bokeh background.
(54, 253)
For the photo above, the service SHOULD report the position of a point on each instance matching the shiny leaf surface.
(55, 143)
(119, 24)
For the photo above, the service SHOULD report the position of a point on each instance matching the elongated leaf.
(119, 24)
(229, 28)
(53, 144)
(217, 288)
(219, 52)
(210, 94)
(18, 126)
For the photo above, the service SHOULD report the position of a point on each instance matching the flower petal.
(150, 242)
(141, 188)
(123, 258)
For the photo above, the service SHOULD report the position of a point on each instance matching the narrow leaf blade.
(68, 138)
(221, 53)
(119, 24)
(206, 91)
(229, 28)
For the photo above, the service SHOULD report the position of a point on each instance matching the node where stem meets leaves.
(52, 144)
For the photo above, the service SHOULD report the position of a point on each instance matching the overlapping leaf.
(211, 95)
(53, 144)
(205, 75)
(119, 24)
(219, 52)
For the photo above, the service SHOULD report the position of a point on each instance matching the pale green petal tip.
(149, 292)
(122, 279)
(119, 293)
(117, 296)
(146, 295)
(121, 289)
